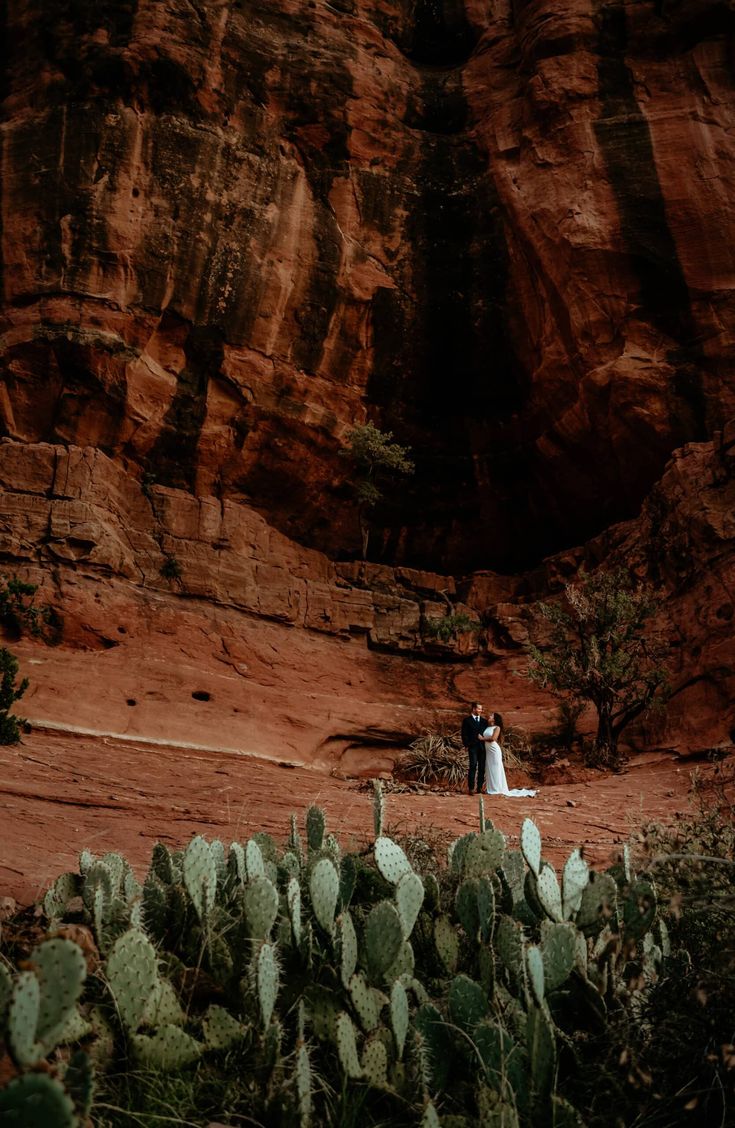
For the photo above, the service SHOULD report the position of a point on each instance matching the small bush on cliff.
(376, 459)
(449, 626)
(19, 612)
(10, 726)
(598, 652)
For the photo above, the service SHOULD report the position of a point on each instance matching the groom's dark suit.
(471, 728)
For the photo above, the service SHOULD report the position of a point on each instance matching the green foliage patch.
(306, 986)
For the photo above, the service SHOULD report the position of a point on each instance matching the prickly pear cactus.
(466, 907)
(548, 892)
(347, 1047)
(220, 1029)
(598, 905)
(531, 845)
(61, 970)
(36, 1100)
(484, 853)
(267, 980)
(447, 944)
(79, 1082)
(485, 907)
(132, 973)
(575, 877)
(260, 904)
(293, 901)
(375, 1063)
(303, 1086)
(391, 860)
(409, 897)
(399, 1015)
(315, 823)
(367, 1002)
(200, 877)
(346, 946)
(378, 808)
(383, 938)
(324, 889)
(558, 952)
(535, 973)
(169, 1049)
(254, 863)
(468, 1003)
(25, 1005)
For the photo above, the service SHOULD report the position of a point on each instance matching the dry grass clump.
(434, 757)
(440, 757)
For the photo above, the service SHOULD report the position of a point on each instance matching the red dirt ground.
(61, 792)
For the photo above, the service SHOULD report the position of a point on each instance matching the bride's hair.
(499, 723)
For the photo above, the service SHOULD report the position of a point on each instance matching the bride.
(495, 781)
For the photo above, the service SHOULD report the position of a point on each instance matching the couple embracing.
(482, 737)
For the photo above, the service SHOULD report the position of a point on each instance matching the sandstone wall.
(231, 230)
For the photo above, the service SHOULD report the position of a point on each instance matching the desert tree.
(376, 460)
(598, 650)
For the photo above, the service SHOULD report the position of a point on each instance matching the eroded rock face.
(500, 230)
(193, 621)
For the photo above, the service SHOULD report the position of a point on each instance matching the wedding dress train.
(495, 781)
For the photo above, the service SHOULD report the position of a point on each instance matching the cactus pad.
(61, 970)
(346, 947)
(367, 1002)
(558, 950)
(468, 1003)
(375, 1063)
(303, 1086)
(485, 907)
(200, 876)
(409, 897)
(220, 1029)
(25, 1005)
(531, 845)
(164, 1008)
(383, 938)
(391, 860)
(36, 1100)
(347, 1046)
(399, 1015)
(378, 807)
(260, 904)
(324, 890)
(315, 823)
(509, 944)
(267, 979)
(347, 879)
(169, 1049)
(447, 943)
(548, 892)
(541, 1048)
(79, 1082)
(575, 877)
(254, 863)
(484, 853)
(465, 904)
(293, 900)
(132, 974)
(535, 973)
(598, 905)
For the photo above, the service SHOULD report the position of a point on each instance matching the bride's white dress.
(495, 781)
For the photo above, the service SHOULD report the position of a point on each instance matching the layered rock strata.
(232, 230)
(192, 621)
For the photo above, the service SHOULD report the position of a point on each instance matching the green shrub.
(303, 985)
(171, 568)
(448, 627)
(19, 613)
(11, 726)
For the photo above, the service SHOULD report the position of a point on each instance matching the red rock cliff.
(232, 229)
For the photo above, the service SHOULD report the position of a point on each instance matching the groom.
(472, 726)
